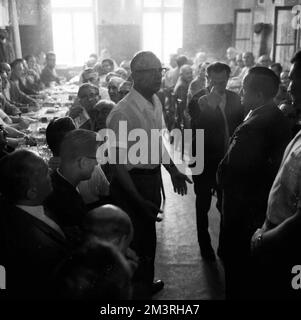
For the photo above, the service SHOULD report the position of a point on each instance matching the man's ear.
(81, 162)
(31, 193)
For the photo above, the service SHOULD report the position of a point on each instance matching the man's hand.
(179, 181)
(213, 98)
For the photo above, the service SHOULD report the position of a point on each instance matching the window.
(162, 27)
(243, 30)
(73, 30)
(285, 37)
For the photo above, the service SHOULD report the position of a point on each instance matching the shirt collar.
(141, 102)
(59, 173)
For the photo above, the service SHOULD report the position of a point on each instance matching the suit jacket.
(30, 252)
(212, 121)
(66, 203)
(250, 166)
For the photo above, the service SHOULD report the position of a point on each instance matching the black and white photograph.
(149, 153)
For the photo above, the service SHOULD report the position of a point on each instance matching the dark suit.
(212, 121)
(245, 176)
(30, 251)
(67, 205)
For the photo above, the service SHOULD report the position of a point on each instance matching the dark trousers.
(144, 243)
(204, 185)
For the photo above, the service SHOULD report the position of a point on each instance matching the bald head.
(146, 73)
(264, 61)
(108, 222)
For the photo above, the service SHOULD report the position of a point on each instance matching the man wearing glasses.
(136, 187)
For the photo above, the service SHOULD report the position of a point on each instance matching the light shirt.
(222, 107)
(138, 113)
(39, 213)
(286, 189)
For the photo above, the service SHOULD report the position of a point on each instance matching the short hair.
(17, 171)
(108, 222)
(16, 62)
(94, 271)
(28, 57)
(181, 60)
(277, 65)
(109, 61)
(267, 82)
(49, 54)
(56, 131)
(4, 67)
(218, 67)
(143, 60)
(77, 143)
(85, 86)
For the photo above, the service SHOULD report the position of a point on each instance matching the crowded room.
(149, 149)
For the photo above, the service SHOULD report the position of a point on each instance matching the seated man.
(89, 75)
(12, 92)
(49, 75)
(95, 271)
(31, 241)
(78, 160)
(111, 224)
(93, 191)
(81, 111)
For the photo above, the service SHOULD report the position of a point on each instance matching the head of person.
(200, 57)
(146, 71)
(173, 60)
(277, 68)
(284, 78)
(125, 64)
(218, 74)
(88, 96)
(92, 60)
(122, 73)
(248, 59)
(89, 75)
(100, 113)
(17, 69)
(294, 87)
(24, 178)
(239, 60)
(231, 53)
(260, 86)
(5, 67)
(51, 59)
(56, 131)
(202, 69)
(107, 65)
(290, 113)
(41, 58)
(264, 61)
(109, 76)
(31, 61)
(110, 223)
(186, 73)
(94, 271)
(124, 89)
(113, 86)
(78, 153)
(181, 60)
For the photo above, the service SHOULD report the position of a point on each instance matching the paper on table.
(81, 119)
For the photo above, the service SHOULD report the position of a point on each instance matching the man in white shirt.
(136, 186)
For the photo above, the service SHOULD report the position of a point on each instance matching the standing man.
(136, 187)
(247, 172)
(218, 112)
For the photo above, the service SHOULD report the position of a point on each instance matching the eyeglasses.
(161, 70)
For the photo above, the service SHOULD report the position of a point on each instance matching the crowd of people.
(72, 227)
